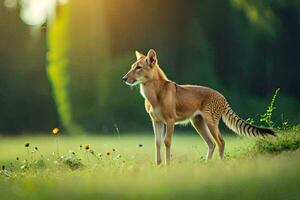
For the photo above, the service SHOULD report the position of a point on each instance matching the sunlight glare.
(37, 12)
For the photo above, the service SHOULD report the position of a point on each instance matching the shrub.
(287, 141)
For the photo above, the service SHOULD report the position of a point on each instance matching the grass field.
(124, 168)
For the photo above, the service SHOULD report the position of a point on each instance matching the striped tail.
(241, 127)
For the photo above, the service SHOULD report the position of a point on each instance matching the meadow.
(62, 63)
(110, 167)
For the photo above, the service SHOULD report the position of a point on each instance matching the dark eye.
(138, 67)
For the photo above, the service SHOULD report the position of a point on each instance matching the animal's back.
(193, 98)
(201, 94)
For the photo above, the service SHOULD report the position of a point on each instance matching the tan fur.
(169, 103)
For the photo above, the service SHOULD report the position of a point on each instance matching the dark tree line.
(245, 49)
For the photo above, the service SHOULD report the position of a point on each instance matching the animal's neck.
(161, 74)
(152, 89)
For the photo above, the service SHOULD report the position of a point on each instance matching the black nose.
(125, 78)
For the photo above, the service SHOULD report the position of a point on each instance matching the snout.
(129, 80)
(125, 78)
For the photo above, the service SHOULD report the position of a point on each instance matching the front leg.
(168, 139)
(158, 128)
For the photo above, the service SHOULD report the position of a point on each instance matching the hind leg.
(214, 129)
(203, 130)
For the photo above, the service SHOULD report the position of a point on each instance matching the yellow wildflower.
(55, 131)
(86, 146)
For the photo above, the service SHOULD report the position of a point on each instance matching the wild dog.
(169, 103)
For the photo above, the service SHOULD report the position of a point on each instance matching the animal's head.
(143, 69)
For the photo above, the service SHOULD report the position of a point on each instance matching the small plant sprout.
(72, 152)
(27, 147)
(86, 147)
(94, 154)
(55, 132)
(250, 120)
(38, 150)
(33, 155)
(267, 116)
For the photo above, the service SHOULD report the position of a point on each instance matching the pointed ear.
(138, 55)
(151, 57)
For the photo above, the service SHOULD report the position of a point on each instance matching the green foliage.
(285, 141)
(282, 123)
(250, 121)
(286, 126)
(267, 116)
(259, 13)
(72, 162)
(32, 164)
(59, 68)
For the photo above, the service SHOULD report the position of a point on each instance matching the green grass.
(129, 172)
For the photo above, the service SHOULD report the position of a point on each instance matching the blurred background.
(61, 62)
